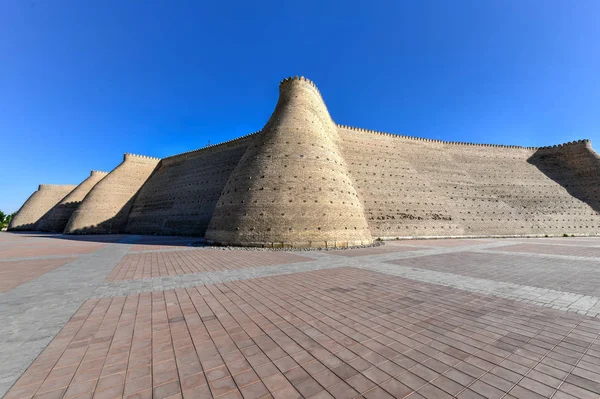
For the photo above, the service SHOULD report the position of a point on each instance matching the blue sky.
(82, 82)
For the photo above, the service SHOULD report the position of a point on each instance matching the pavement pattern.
(125, 316)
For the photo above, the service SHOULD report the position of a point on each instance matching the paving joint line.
(536, 255)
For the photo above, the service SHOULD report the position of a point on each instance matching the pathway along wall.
(37, 205)
(181, 195)
(292, 186)
(106, 207)
(419, 187)
(56, 219)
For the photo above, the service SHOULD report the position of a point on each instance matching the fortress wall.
(37, 205)
(56, 219)
(305, 181)
(292, 186)
(420, 187)
(106, 207)
(181, 195)
(576, 168)
(396, 199)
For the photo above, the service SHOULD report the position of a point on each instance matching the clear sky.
(82, 82)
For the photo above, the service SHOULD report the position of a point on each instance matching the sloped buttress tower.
(292, 186)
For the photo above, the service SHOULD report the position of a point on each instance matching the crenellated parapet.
(56, 187)
(569, 145)
(460, 143)
(433, 141)
(139, 158)
(295, 79)
(210, 148)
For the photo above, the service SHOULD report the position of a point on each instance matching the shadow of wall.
(106, 207)
(38, 205)
(180, 197)
(112, 225)
(575, 167)
(56, 219)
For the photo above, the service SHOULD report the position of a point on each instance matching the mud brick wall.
(106, 207)
(420, 187)
(303, 181)
(56, 219)
(37, 205)
(292, 186)
(181, 195)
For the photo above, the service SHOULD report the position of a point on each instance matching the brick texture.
(37, 205)
(106, 208)
(303, 181)
(292, 186)
(58, 217)
(330, 333)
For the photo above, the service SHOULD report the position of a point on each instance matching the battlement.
(211, 147)
(135, 157)
(461, 143)
(298, 79)
(578, 143)
(287, 83)
(98, 172)
(56, 186)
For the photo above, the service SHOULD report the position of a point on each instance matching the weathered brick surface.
(106, 207)
(58, 217)
(180, 197)
(292, 186)
(303, 181)
(36, 206)
(417, 187)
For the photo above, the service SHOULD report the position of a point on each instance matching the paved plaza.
(153, 317)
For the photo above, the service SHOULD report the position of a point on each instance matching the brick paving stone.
(41, 250)
(13, 274)
(338, 332)
(576, 276)
(464, 318)
(585, 251)
(375, 250)
(446, 243)
(159, 264)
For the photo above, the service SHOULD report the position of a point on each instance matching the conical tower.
(292, 186)
(37, 205)
(56, 219)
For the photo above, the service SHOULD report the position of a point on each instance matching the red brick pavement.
(49, 249)
(15, 273)
(159, 264)
(330, 333)
(154, 247)
(149, 243)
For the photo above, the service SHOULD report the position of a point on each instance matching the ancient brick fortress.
(304, 181)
